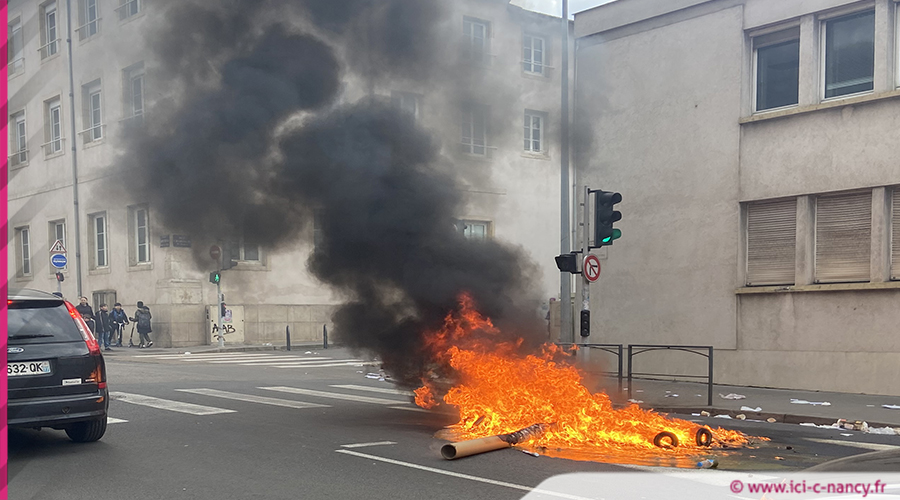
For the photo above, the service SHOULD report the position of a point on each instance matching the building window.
(534, 131)
(49, 35)
(16, 51)
(18, 140)
(99, 242)
(139, 234)
(133, 92)
(406, 101)
(53, 126)
(895, 234)
(476, 40)
(533, 54)
(843, 237)
(23, 251)
(849, 54)
(128, 9)
(476, 229)
(244, 252)
(777, 69)
(474, 130)
(771, 242)
(89, 19)
(92, 113)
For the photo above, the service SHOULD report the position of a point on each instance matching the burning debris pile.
(498, 387)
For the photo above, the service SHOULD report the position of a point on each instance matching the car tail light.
(89, 339)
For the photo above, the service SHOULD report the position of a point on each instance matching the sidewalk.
(691, 397)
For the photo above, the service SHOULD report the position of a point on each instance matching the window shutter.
(771, 242)
(843, 237)
(895, 235)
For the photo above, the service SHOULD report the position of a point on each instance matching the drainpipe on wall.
(567, 334)
(74, 152)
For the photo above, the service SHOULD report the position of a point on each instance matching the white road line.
(865, 446)
(332, 395)
(287, 403)
(383, 390)
(409, 408)
(165, 404)
(111, 420)
(282, 365)
(363, 445)
(202, 356)
(272, 359)
(463, 476)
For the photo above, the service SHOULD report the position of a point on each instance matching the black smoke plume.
(256, 134)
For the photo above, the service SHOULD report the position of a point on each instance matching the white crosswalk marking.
(332, 395)
(273, 359)
(112, 420)
(353, 363)
(287, 403)
(165, 404)
(383, 390)
(264, 359)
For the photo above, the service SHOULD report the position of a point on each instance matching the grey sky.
(554, 7)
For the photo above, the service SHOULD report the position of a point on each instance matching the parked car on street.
(56, 373)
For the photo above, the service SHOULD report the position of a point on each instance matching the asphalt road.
(276, 425)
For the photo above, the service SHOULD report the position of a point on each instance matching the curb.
(785, 418)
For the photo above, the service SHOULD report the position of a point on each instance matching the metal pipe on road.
(482, 445)
(287, 334)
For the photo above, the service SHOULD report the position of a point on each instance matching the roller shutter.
(843, 237)
(771, 242)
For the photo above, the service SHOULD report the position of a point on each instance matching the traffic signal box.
(605, 216)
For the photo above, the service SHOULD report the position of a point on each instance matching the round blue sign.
(59, 260)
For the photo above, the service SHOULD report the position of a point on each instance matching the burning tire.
(704, 437)
(662, 437)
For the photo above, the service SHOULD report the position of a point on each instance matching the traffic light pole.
(219, 313)
(585, 284)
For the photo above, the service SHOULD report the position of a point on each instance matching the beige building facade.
(505, 139)
(755, 143)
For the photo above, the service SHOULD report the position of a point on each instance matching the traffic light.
(228, 255)
(585, 323)
(567, 263)
(60, 277)
(215, 277)
(605, 216)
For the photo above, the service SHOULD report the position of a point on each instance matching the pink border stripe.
(4, 195)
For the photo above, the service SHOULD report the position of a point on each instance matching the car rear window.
(40, 321)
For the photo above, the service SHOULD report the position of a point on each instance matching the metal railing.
(635, 349)
(616, 349)
(18, 158)
(45, 49)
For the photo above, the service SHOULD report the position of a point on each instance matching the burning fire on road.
(500, 388)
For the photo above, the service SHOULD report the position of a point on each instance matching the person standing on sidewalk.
(83, 307)
(104, 326)
(118, 319)
(142, 318)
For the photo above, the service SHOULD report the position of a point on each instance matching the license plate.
(28, 368)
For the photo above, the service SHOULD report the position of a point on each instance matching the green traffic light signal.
(616, 234)
(215, 277)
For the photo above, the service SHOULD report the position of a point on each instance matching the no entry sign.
(591, 268)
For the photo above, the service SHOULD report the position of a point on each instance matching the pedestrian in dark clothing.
(104, 326)
(118, 319)
(83, 307)
(92, 325)
(142, 319)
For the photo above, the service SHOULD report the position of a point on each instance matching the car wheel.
(87, 432)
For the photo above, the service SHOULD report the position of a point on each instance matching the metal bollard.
(287, 333)
(325, 336)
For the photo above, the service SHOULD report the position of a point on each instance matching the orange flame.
(500, 390)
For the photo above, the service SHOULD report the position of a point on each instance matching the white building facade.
(509, 142)
(755, 143)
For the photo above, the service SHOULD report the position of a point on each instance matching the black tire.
(660, 438)
(87, 432)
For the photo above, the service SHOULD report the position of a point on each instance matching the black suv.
(55, 372)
